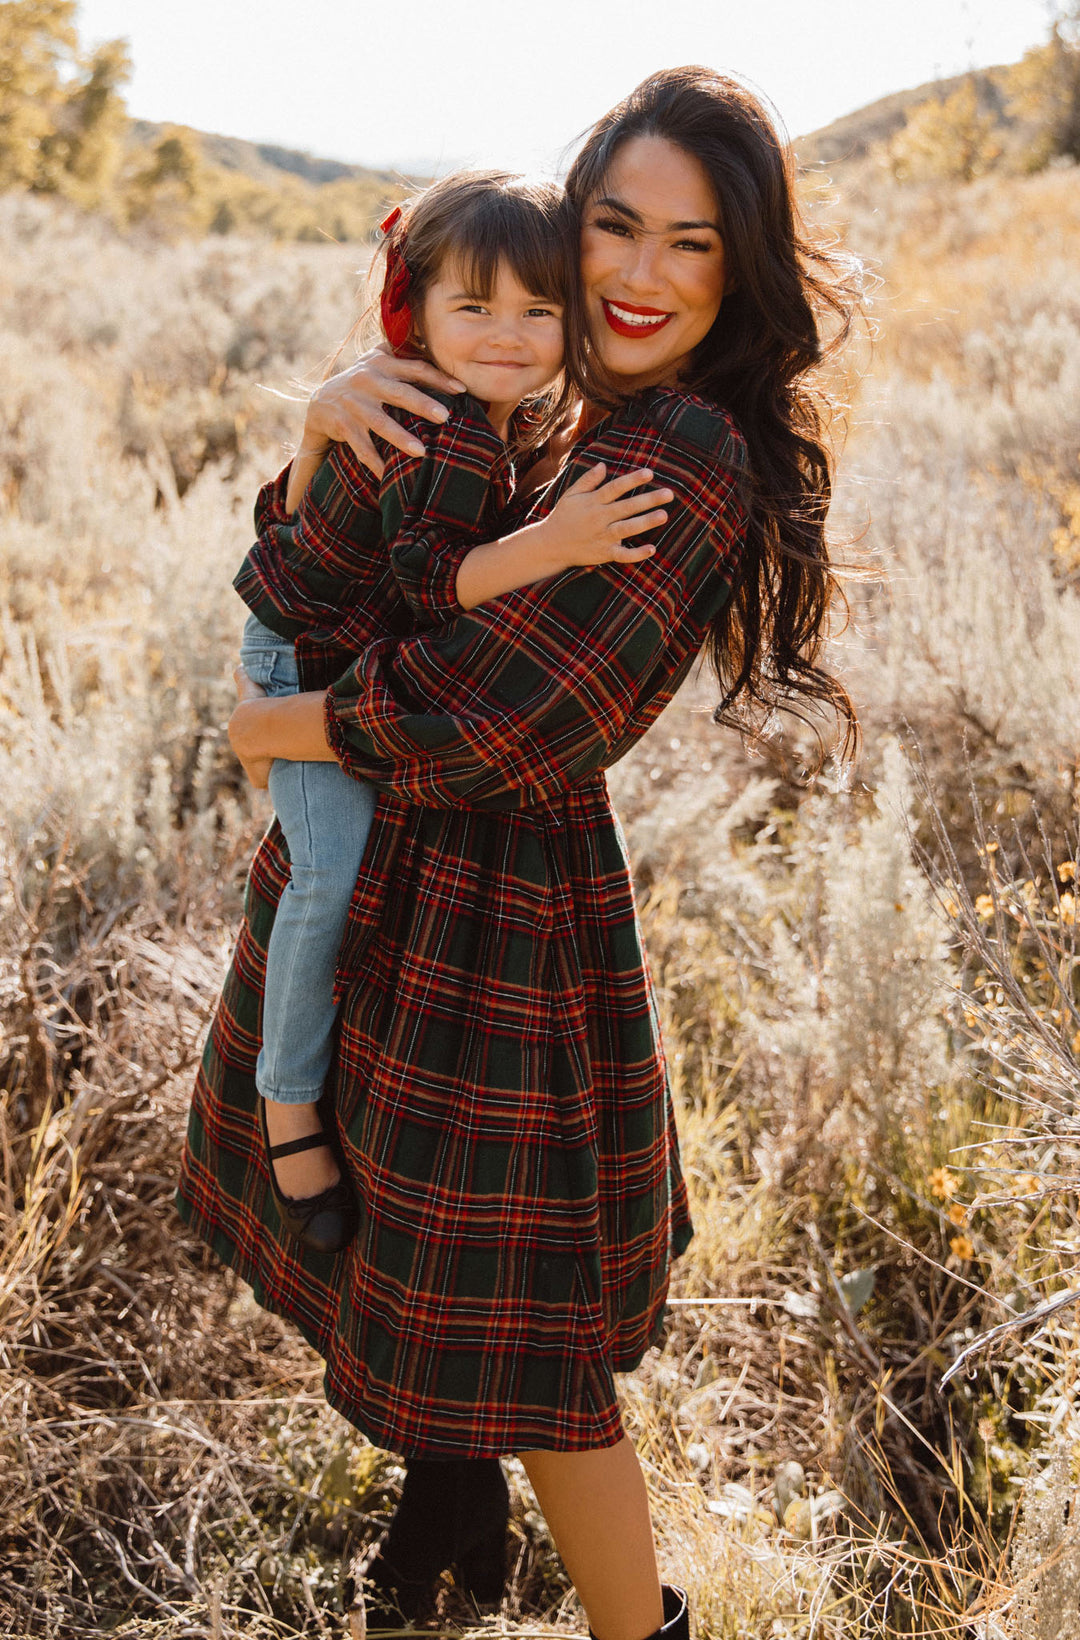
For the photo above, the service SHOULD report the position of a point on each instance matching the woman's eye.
(693, 245)
(611, 224)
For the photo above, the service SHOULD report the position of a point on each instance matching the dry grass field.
(869, 983)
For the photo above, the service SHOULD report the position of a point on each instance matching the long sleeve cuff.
(426, 568)
(270, 502)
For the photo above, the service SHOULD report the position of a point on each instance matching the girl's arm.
(436, 508)
(337, 541)
(585, 527)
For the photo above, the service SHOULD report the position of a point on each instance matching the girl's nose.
(508, 333)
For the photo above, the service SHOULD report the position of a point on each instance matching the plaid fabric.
(500, 1089)
(353, 561)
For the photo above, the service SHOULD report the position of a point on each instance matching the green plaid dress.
(499, 1091)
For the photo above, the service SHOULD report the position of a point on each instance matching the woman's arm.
(290, 726)
(350, 405)
(515, 701)
(510, 704)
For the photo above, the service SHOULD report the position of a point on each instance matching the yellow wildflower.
(1067, 871)
(984, 907)
(943, 1183)
(1068, 909)
(957, 1214)
(962, 1247)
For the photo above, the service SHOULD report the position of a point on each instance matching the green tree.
(171, 184)
(950, 139)
(96, 120)
(64, 130)
(37, 43)
(62, 117)
(83, 155)
(1044, 91)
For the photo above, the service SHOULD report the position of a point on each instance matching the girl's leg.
(597, 1510)
(326, 817)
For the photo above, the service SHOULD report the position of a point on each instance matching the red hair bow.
(394, 306)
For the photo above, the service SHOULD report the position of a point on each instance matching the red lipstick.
(614, 313)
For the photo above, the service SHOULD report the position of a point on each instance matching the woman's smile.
(626, 319)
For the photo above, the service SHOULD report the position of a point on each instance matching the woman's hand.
(348, 408)
(589, 522)
(257, 769)
(286, 726)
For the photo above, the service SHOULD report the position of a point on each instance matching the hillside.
(268, 162)
(853, 135)
(849, 138)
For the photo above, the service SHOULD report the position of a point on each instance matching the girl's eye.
(541, 313)
(472, 307)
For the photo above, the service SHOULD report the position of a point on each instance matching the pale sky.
(428, 84)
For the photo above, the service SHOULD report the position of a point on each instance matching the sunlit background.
(868, 982)
(428, 85)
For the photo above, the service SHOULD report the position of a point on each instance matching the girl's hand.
(256, 769)
(588, 523)
(348, 407)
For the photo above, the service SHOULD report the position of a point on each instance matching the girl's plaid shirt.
(364, 556)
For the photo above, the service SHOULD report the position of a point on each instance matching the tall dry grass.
(868, 986)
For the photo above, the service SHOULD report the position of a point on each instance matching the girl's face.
(652, 262)
(502, 347)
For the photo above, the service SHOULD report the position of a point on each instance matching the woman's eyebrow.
(612, 204)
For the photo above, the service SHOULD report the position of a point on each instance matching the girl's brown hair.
(483, 220)
(756, 362)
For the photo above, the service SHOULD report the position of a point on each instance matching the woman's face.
(652, 262)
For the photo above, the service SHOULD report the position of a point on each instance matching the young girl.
(477, 269)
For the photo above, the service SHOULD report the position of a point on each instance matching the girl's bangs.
(512, 232)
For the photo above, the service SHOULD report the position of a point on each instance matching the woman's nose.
(641, 270)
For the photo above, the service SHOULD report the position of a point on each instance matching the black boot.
(452, 1512)
(480, 1552)
(676, 1624)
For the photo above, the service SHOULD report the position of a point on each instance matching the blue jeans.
(326, 817)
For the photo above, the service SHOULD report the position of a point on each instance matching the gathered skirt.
(503, 1110)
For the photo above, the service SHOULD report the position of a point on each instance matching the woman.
(504, 1113)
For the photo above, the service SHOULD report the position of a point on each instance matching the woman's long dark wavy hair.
(755, 362)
